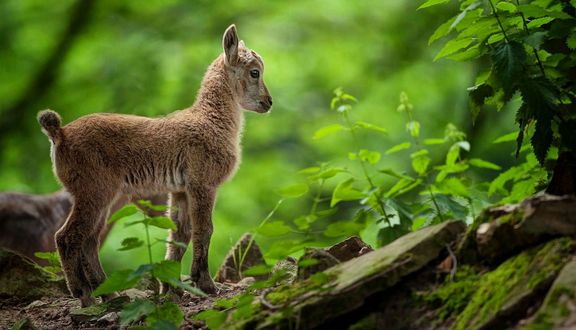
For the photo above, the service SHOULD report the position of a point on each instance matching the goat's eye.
(254, 74)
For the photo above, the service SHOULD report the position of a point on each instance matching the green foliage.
(529, 50)
(53, 258)
(166, 315)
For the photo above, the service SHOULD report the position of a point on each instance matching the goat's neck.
(216, 99)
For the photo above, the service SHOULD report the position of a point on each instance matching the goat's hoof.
(86, 301)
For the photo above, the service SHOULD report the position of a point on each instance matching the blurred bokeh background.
(148, 58)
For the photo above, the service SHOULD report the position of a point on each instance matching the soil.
(54, 312)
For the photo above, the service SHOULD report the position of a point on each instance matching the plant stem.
(498, 19)
(148, 245)
(436, 204)
(317, 197)
(363, 164)
(268, 217)
(533, 48)
(357, 147)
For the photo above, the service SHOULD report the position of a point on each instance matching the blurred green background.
(148, 58)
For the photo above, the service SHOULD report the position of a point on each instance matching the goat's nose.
(270, 100)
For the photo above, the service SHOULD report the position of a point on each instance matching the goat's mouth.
(264, 107)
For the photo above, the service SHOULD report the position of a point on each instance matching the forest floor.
(55, 312)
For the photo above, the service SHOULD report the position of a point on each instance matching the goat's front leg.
(180, 214)
(201, 204)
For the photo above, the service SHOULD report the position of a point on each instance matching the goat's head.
(246, 73)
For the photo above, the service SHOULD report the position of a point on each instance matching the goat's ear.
(230, 45)
(241, 44)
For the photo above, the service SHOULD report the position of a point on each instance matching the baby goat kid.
(188, 154)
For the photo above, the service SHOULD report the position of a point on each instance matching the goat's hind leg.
(91, 246)
(74, 245)
(179, 212)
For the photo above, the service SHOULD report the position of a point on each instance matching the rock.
(313, 261)
(287, 269)
(344, 288)
(109, 318)
(22, 279)
(246, 282)
(316, 260)
(349, 249)
(531, 222)
(244, 255)
(97, 311)
(137, 294)
(24, 324)
(558, 311)
(88, 313)
(503, 295)
(34, 304)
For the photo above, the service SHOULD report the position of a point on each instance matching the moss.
(512, 279)
(455, 294)
(559, 301)
(285, 293)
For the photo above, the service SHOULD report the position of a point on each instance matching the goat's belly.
(147, 179)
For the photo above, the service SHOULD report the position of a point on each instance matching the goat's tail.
(51, 124)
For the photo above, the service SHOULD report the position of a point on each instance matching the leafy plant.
(158, 314)
(527, 50)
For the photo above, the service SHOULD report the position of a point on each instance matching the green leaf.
(345, 192)
(413, 127)
(176, 243)
(539, 97)
(135, 310)
(401, 187)
(571, 40)
(343, 228)
(536, 39)
(273, 228)
(294, 191)
(365, 125)
(167, 312)
(326, 174)
(453, 46)
(161, 222)
(506, 6)
(372, 157)
(434, 141)
(391, 172)
(124, 212)
(117, 281)
(508, 59)
(442, 30)
(261, 269)
(506, 138)
(214, 319)
(453, 154)
(166, 270)
(398, 147)
(454, 186)
(483, 164)
(420, 164)
(328, 130)
(148, 204)
(131, 243)
(307, 262)
(309, 170)
(498, 184)
(538, 22)
(431, 3)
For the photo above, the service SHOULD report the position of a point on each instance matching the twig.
(454, 262)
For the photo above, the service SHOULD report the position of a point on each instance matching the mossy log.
(344, 287)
